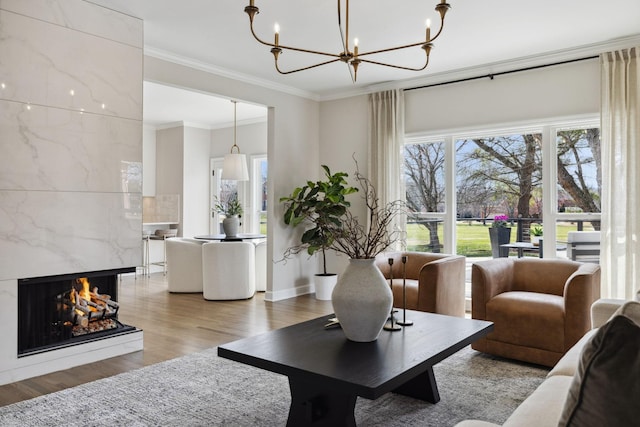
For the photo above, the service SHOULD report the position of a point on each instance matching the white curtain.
(386, 113)
(620, 111)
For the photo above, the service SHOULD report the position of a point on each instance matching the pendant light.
(235, 164)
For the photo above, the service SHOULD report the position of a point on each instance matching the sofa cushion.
(569, 362)
(543, 407)
(630, 309)
(605, 390)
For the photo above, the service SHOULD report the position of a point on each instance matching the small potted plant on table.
(231, 208)
(535, 233)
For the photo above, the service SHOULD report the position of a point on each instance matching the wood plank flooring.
(174, 325)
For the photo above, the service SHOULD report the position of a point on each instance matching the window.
(579, 180)
(455, 184)
(252, 195)
(424, 181)
(259, 191)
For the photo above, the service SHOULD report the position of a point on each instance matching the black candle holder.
(391, 325)
(404, 321)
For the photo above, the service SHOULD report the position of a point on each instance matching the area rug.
(204, 390)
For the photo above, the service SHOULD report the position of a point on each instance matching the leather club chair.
(540, 307)
(435, 282)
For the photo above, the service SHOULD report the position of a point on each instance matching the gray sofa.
(554, 401)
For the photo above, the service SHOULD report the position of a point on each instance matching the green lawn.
(473, 237)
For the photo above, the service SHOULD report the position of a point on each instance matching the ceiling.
(478, 34)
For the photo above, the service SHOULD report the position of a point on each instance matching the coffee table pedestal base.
(312, 406)
(423, 387)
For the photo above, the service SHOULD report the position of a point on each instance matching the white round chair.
(228, 270)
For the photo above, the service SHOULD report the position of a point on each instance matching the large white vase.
(362, 300)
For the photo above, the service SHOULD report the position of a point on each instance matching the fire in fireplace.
(59, 311)
(87, 311)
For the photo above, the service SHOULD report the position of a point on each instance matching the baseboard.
(288, 293)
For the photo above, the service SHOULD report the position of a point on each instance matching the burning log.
(87, 310)
(106, 299)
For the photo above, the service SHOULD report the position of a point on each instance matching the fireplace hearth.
(66, 310)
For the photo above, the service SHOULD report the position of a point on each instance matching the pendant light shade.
(235, 164)
(235, 167)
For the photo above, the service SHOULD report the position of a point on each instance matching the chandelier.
(351, 57)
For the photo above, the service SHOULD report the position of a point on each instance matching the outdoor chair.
(583, 246)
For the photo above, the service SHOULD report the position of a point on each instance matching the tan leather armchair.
(540, 307)
(435, 282)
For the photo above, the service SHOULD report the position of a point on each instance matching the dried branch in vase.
(361, 241)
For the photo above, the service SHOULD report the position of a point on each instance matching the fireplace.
(66, 310)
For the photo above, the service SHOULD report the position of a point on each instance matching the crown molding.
(178, 124)
(223, 72)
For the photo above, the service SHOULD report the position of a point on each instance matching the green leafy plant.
(229, 206)
(535, 230)
(320, 205)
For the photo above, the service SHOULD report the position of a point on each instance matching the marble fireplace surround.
(71, 170)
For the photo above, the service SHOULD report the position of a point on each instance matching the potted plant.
(231, 208)
(362, 298)
(320, 205)
(499, 234)
(535, 231)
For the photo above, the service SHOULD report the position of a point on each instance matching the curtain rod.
(492, 75)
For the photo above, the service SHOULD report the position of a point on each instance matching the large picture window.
(549, 174)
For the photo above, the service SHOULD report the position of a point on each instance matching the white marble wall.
(71, 137)
(71, 143)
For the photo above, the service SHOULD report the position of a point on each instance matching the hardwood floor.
(174, 325)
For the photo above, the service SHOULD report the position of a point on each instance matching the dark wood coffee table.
(327, 372)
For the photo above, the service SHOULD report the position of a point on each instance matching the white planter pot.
(324, 285)
(230, 226)
(362, 300)
(535, 240)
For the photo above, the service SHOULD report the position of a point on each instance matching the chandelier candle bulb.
(428, 30)
(355, 47)
(276, 28)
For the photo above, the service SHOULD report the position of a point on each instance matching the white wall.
(169, 160)
(343, 137)
(252, 139)
(557, 91)
(182, 168)
(293, 135)
(195, 187)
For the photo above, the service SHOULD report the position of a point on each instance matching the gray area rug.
(204, 390)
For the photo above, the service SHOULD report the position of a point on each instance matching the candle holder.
(391, 325)
(404, 321)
